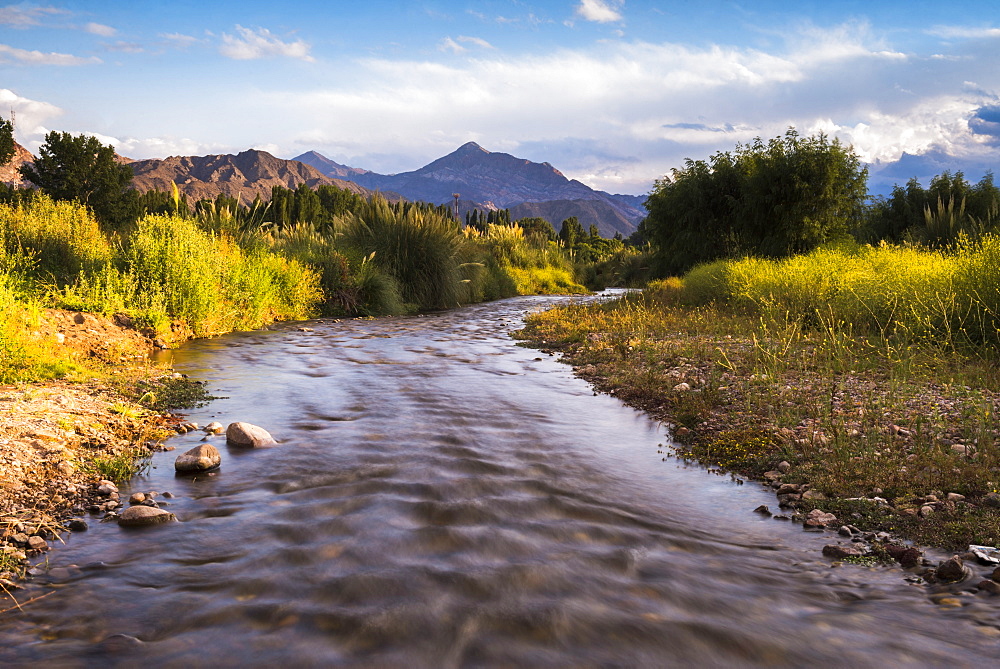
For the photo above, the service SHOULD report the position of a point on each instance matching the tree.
(6, 141)
(570, 232)
(81, 168)
(771, 199)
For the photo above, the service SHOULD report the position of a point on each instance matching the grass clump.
(121, 465)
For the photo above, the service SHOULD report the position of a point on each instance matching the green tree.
(772, 199)
(537, 227)
(6, 141)
(570, 232)
(81, 168)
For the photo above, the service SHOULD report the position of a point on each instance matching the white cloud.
(261, 43)
(478, 41)
(656, 103)
(12, 54)
(100, 29)
(600, 11)
(24, 16)
(32, 115)
(449, 44)
(961, 32)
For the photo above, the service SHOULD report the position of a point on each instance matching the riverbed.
(441, 497)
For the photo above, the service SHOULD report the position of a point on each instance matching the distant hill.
(245, 175)
(500, 180)
(329, 167)
(9, 173)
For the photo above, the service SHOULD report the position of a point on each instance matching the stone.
(682, 387)
(66, 468)
(818, 518)
(107, 489)
(137, 498)
(951, 570)
(991, 587)
(926, 510)
(992, 500)
(966, 450)
(214, 428)
(907, 556)
(762, 510)
(77, 525)
(138, 516)
(996, 575)
(198, 459)
(788, 489)
(837, 552)
(36, 543)
(814, 495)
(784, 467)
(955, 497)
(248, 436)
(682, 432)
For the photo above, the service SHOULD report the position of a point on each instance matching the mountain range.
(244, 175)
(488, 180)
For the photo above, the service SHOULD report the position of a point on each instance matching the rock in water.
(198, 459)
(138, 516)
(952, 570)
(248, 436)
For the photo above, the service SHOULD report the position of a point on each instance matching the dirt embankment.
(55, 435)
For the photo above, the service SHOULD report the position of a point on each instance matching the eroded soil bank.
(60, 439)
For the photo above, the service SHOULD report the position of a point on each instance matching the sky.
(614, 93)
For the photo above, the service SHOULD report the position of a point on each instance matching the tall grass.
(951, 295)
(418, 248)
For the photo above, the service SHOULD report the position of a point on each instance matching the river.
(441, 497)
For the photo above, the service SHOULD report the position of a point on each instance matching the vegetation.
(6, 141)
(82, 169)
(871, 370)
(771, 199)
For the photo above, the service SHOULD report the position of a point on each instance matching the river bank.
(894, 452)
(60, 440)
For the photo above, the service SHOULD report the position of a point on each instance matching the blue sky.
(612, 92)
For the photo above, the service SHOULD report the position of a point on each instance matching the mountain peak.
(471, 147)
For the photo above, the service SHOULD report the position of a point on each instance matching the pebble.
(762, 510)
(214, 428)
(784, 467)
(137, 498)
(36, 543)
(77, 525)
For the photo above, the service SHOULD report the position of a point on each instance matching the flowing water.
(443, 498)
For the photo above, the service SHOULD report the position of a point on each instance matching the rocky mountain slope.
(9, 173)
(500, 180)
(244, 175)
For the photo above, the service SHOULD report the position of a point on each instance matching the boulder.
(198, 459)
(139, 516)
(248, 436)
(952, 570)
